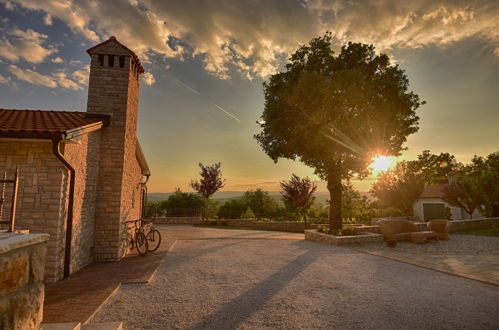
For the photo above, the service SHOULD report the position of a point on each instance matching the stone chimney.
(114, 89)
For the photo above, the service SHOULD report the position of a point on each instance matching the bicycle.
(138, 238)
(153, 236)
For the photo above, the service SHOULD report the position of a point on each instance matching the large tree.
(334, 112)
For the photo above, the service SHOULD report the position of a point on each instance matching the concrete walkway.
(224, 279)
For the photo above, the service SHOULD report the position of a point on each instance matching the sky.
(205, 63)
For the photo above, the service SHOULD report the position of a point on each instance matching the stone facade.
(22, 263)
(85, 156)
(109, 170)
(114, 89)
(40, 205)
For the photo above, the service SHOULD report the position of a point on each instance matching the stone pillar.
(22, 291)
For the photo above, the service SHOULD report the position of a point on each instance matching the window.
(101, 60)
(111, 60)
(122, 61)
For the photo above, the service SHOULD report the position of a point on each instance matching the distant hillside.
(222, 196)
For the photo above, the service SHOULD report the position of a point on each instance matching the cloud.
(32, 77)
(253, 36)
(64, 82)
(148, 79)
(57, 60)
(4, 80)
(17, 44)
(54, 80)
(81, 76)
(47, 20)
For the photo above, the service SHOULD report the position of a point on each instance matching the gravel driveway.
(239, 282)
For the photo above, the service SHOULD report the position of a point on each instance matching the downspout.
(144, 196)
(56, 142)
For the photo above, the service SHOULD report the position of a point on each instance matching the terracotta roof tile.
(43, 121)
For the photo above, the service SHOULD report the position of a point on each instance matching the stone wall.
(176, 220)
(113, 89)
(474, 224)
(22, 264)
(40, 205)
(289, 226)
(313, 235)
(84, 157)
(374, 221)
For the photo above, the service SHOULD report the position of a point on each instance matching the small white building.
(431, 205)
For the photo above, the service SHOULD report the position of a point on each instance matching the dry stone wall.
(22, 291)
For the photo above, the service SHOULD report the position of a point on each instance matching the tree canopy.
(476, 186)
(334, 112)
(211, 180)
(261, 203)
(297, 194)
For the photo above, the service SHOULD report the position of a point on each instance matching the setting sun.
(382, 163)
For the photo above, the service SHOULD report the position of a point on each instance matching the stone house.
(431, 205)
(81, 174)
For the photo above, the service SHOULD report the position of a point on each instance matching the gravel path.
(224, 283)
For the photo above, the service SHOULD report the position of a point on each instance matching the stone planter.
(315, 236)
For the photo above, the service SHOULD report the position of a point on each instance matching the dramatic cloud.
(253, 36)
(148, 79)
(17, 44)
(54, 80)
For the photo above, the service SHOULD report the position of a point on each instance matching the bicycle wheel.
(141, 243)
(154, 240)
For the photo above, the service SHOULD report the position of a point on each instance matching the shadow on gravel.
(242, 307)
(197, 253)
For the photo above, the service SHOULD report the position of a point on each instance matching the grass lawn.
(485, 232)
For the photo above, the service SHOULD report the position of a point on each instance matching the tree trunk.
(335, 191)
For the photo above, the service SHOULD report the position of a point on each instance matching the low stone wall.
(22, 290)
(176, 220)
(366, 229)
(315, 236)
(289, 226)
(455, 225)
(474, 224)
(374, 221)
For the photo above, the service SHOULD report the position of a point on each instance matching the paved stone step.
(61, 326)
(103, 326)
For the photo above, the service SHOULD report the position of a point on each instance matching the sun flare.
(382, 163)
